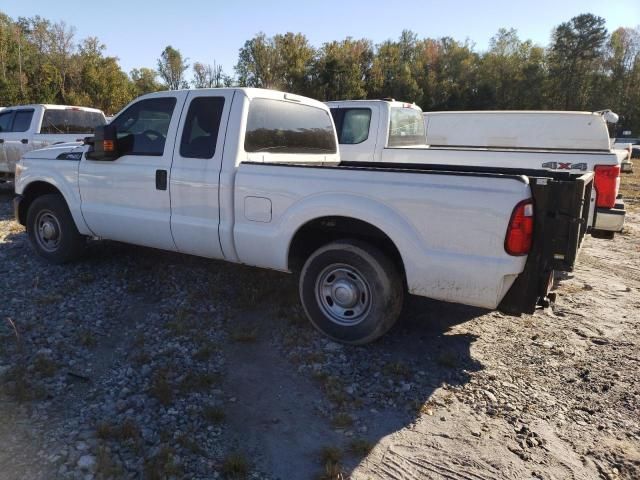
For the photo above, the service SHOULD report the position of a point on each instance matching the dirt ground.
(451, 393)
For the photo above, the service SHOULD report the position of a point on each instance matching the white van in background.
(31, 127)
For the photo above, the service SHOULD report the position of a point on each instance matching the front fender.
(60, 174)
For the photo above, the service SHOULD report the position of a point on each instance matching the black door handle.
(25, 141)
(161, 179)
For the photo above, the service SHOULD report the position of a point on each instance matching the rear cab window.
(70, 121)
(406, 127)
(278, 126)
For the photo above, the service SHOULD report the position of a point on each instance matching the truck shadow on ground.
(293, 412)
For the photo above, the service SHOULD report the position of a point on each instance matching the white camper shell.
(552, 130)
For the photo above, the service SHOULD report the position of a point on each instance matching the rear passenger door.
(195, 172)
(357, 129)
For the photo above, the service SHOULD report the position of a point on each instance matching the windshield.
(406, 128)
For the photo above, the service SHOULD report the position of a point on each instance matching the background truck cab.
(30, 127)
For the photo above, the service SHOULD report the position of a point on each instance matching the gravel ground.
(135, 363)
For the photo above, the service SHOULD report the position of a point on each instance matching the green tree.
(208, 76)
(258, 63)
(145, 80)
(342, 69)
(281, 62)
(393, 72)
(171, 67)
(575, 58)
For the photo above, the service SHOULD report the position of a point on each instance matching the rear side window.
(201, 127)
(406, 128)
(352, 124)
(283, 127)
(5, 121)
(22, 120)
(142, 128)
(70, 121)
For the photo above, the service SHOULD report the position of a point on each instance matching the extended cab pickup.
(29, 127)
(253, 176)
(390, 132)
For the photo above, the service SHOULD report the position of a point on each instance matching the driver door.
(128, 199)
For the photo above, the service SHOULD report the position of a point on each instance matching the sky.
(208, 31)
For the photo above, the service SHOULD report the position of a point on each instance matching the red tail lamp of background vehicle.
(520, 231)
(607, 183)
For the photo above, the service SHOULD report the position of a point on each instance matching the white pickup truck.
(253, 176)
(389, 132)
(29, 127)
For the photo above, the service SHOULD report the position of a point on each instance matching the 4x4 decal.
(565, 166)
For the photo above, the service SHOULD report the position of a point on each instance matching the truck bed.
(476, 202)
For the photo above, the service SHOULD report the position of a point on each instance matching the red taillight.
(520, 230)
(607, 183)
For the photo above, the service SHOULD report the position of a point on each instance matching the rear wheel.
(52, 231)
(351, 291)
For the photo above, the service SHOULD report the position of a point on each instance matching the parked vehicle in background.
(396, 133)
(30, 127)
(254, 176)
(632, 145)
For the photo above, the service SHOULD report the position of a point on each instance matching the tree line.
(584, 67)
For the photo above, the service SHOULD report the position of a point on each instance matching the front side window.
(142, 128)
(201, 127)
(5, 121)
(22, 120)
(406, 127)
(278, 126)
(70, 121)
(352, 124)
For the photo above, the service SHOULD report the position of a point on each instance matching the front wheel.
(52, 231)
(351, 291)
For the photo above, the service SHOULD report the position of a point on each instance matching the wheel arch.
(320, 231)
(31, 192)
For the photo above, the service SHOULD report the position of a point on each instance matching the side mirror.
(105, 144)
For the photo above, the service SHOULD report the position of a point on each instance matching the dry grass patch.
(360, 447)
(342, 420)
(244, 334)
(331, 457)
(213, 414)
(161, 387)
(397, 369)
(162, 466)
(198, 382)
(235, 466)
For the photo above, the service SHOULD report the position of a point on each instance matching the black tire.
(376, 291)
(66, 244)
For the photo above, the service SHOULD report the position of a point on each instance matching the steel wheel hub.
(48, 231)
(343, 294)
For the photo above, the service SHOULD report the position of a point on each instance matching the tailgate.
(561, 219)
